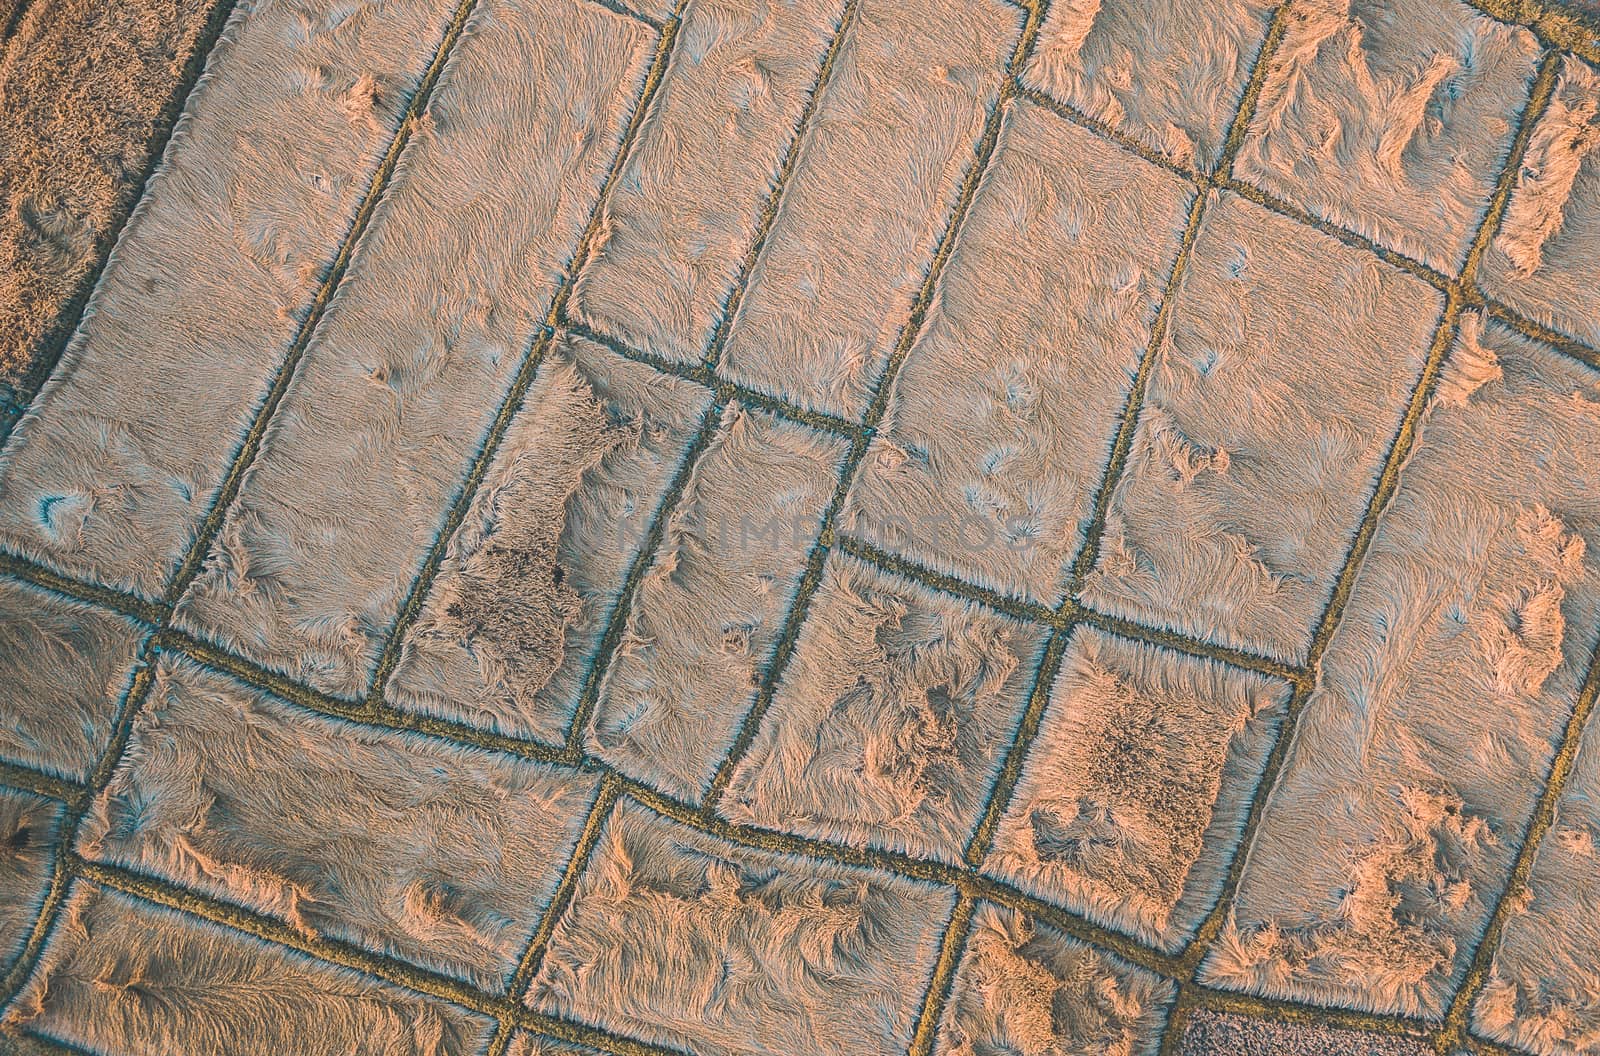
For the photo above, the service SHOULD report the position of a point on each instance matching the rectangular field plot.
(1392, 119)
(64, 668)
(1133, 796)
(1168, 73)
(892, 718)
(681, 939)
(127, 978)
(398, 389)
(1418, 759)
(439, 855)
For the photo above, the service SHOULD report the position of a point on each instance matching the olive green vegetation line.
(1562, 343)
(727, 391)
(943, 977)
(134, 699)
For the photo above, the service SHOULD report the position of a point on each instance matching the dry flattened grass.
(87, 91)
(1023, 986)
(122, 975)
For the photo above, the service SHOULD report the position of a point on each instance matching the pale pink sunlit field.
(815, 527)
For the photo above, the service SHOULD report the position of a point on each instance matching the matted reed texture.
(844, 527)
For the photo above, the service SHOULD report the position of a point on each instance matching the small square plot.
(1133, 796)
(1169, 73)
(684, 940)
(1266, 422)
(1024, 987)
(65, 668)
(715, 600)
(1392, 118)
(1543, 260)
(892, 719)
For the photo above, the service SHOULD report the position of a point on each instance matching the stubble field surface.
(843, 527)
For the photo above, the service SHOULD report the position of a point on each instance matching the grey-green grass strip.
(944, 973)
(730, 391)
(1563, 343)
(27, 779)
